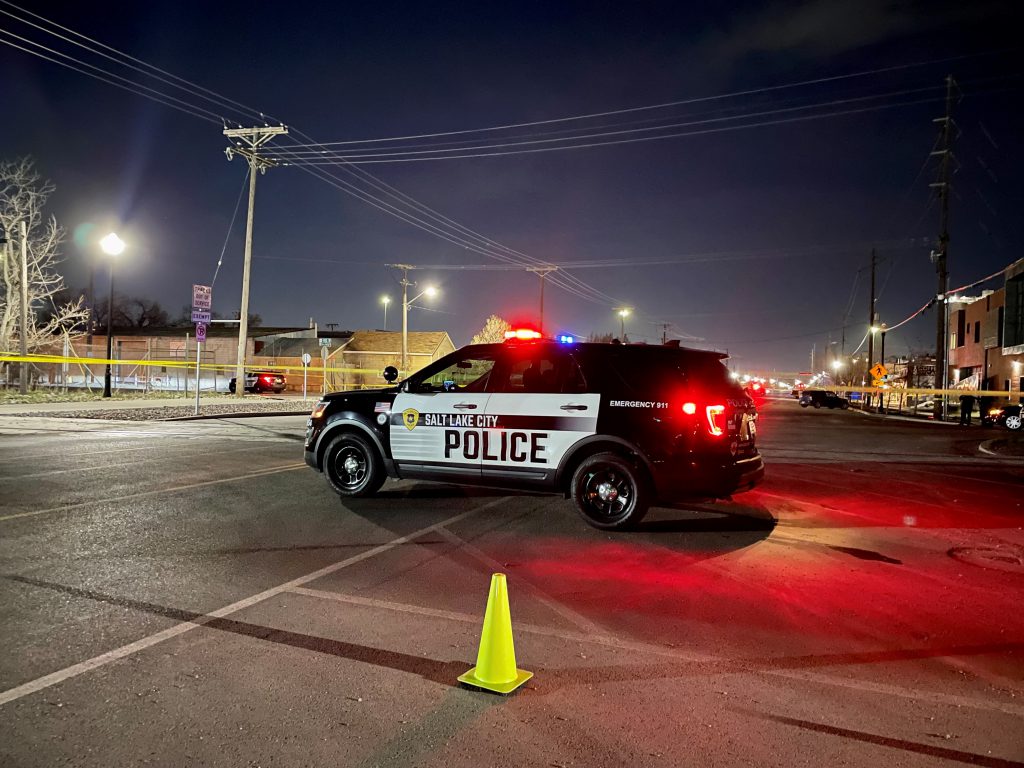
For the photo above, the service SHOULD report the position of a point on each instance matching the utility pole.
(871, 312)
(24, 307)
(542, 272)
(664, 332)
(405, 313)
(247, 142)
(812, 359)
(943, 188)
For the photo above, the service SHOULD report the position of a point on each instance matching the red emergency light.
(522, 334)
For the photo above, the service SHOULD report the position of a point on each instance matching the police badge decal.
(410, 417)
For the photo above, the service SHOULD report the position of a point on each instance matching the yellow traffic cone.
(495, 668)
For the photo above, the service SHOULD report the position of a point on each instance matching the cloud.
(820, 27)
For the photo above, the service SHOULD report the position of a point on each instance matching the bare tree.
(23, 195)
(493, 331)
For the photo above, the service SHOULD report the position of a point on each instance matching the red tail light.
(689, 408)
(716, 419)
(268, 379)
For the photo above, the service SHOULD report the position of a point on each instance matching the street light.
(430, 292)
(623, 312)
(385, 300)
(112, 245)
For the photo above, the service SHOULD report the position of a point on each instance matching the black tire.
(844, 406)
(353, 467)
(816, 404)
(804, 405)
(1013, 423)
(231, 387)
(599, 486)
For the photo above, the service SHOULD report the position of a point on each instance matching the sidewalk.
(148, 409)
(903, 417)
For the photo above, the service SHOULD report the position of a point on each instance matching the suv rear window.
(656, 369)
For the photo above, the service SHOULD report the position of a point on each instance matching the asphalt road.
(191, 594)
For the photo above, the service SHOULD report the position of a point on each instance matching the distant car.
(261, 381)
(819, 397)
(1008, 416)
(798, 390)
(755, 390)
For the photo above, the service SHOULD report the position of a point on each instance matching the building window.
(977, 332)
(960, 333)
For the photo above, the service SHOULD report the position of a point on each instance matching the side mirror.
(391, 374)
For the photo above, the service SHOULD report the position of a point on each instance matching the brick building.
(986, 337)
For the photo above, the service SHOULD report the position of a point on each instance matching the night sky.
(769, 225)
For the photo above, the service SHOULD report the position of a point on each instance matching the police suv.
(616, 427)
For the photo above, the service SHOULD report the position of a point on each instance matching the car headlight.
(994, 411)
(318, 411)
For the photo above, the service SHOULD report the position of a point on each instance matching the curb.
(243, 415)
(905, 419)
(985, 447)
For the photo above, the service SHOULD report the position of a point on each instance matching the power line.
(664, 105)
(614, 142)
(362, 154)
(231, 226)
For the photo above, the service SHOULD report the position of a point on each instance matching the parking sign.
(202, 297)
(200, 331)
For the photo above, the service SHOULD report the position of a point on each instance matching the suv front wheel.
(353, 466)
(609, 492)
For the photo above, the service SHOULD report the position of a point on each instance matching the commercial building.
(986, 337)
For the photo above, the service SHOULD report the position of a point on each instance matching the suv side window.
(469, 373)
(539, 371)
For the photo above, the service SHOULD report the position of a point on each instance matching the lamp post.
(385, 300)
(623, 313)
(837, 366)
(112, 245)
(430, 292)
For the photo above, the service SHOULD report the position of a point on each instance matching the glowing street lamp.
(623, 313)
(112, 245)
(385, 300)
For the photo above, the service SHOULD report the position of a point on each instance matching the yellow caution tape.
(187, 364)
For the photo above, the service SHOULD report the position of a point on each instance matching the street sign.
(879, 371)
(306, 358)
(202, 297)
(200, 332)
(199, 316)
(325, 342)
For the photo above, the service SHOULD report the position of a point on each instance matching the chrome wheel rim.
(350, 466)
(607, 494)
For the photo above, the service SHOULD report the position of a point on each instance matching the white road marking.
(582, 622)
(142, 494)
(649, 649)
(162, 457)
(33, 686)
(536, 629)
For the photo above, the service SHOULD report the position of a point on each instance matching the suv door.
(539, 408)
(436, 423)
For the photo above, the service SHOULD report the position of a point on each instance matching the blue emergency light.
(566, 339)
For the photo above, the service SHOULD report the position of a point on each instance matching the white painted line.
(536, 629)
(884, 689)
(581, 622)
(648, 649)
(142, 494)
(162, 457)
(33, 686)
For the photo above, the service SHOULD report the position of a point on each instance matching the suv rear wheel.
(609, 492)
(353, 466)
